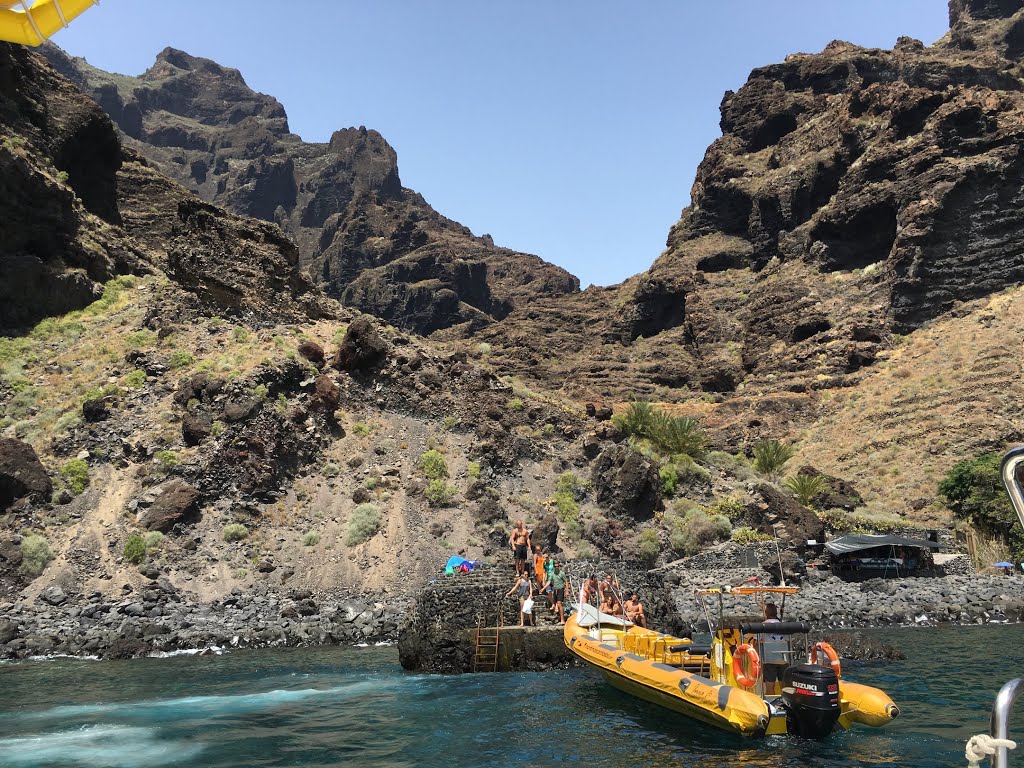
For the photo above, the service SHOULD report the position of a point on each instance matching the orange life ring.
(743, 651)
(830, 653)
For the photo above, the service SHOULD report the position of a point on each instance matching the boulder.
(362, 348)
(21, 473)
(96, 409)
(327, 392)
(53, 595)
(626, 482)
(176, 502)
(241, 408)
(793, 523)
(196, 426)
(312, 352)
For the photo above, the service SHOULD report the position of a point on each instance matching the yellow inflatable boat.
(32, 22)
(723, 684)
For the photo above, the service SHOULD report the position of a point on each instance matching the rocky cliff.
(854, 195)
(362, 236)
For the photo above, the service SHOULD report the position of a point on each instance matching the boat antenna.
(778, 553)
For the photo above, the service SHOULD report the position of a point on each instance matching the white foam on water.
(213, 649)
(362, 645)
(190, 707)
(97, 746)
(384, 643)
(62, 656)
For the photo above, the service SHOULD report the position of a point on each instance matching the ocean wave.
(216, 650)
(101, 746)
(193, 707)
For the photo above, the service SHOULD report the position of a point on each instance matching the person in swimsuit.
(523, 589)
(556, 583)
(519, 541)
(635, 611)
(588, 592)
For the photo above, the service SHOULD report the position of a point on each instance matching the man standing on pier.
(519, 541)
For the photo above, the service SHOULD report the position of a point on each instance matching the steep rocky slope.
(362, 236)
(855, 194)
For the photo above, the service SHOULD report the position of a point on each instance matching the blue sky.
(566, 128)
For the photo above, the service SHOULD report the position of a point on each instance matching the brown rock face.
(21, 473)
(854, 194)
(363, 237)
(176, 502)
(779, 513)
(626, 482)
(58, 164)
(362, 347)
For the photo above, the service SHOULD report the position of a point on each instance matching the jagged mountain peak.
(982, 10)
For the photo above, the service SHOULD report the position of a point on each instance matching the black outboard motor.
(810, 694)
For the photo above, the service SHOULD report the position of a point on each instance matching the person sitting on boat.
(774, 661)
(556, 583)
(611, 606)
(635, 611)
(606, 589)
(519, 541)
(523, 589)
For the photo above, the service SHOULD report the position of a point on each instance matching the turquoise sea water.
(346, 706)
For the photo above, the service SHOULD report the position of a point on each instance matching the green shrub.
(747, 535)
(62, 177)
(697, 531)
(330, 470)
(362, 525)
(167, 459)
(637, 420)
(729, 508)
(181, 359)
(806, 487)
(240, 334)
(140, 339)
(217, 427)
(669, 479)
(35, 554)
(736, 465)
(69, 420)
(439, 493)
(648, 547)
(568, 482)
(516, 404)
(75, 473)
(260, 392)
(112, 291)
(567, 508)
(135, 549)
(548, 430)
(770, 456)
(234, 532)
(311, 539)
(135, 380)
(677, 434)
(361, 429)
(371, 482)
(836, 519)
(473, 470)
(433, 465)
(484, 349)
(448, 423)
(153, 539)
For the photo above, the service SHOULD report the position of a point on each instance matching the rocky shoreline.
(159, 619)
(831, 603)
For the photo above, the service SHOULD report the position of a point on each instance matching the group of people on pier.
(544, 577)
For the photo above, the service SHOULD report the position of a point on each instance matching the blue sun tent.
(458, 564)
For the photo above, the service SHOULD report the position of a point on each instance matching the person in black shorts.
(556, 583)
(519, 541)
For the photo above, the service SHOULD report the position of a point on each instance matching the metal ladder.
(999, 726)
(485, 652)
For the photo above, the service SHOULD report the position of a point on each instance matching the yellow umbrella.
(31, 22)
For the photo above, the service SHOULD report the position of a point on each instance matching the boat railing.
(1008, 471)
(1000, 724)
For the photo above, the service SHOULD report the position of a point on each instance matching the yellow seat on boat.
(32, 22)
